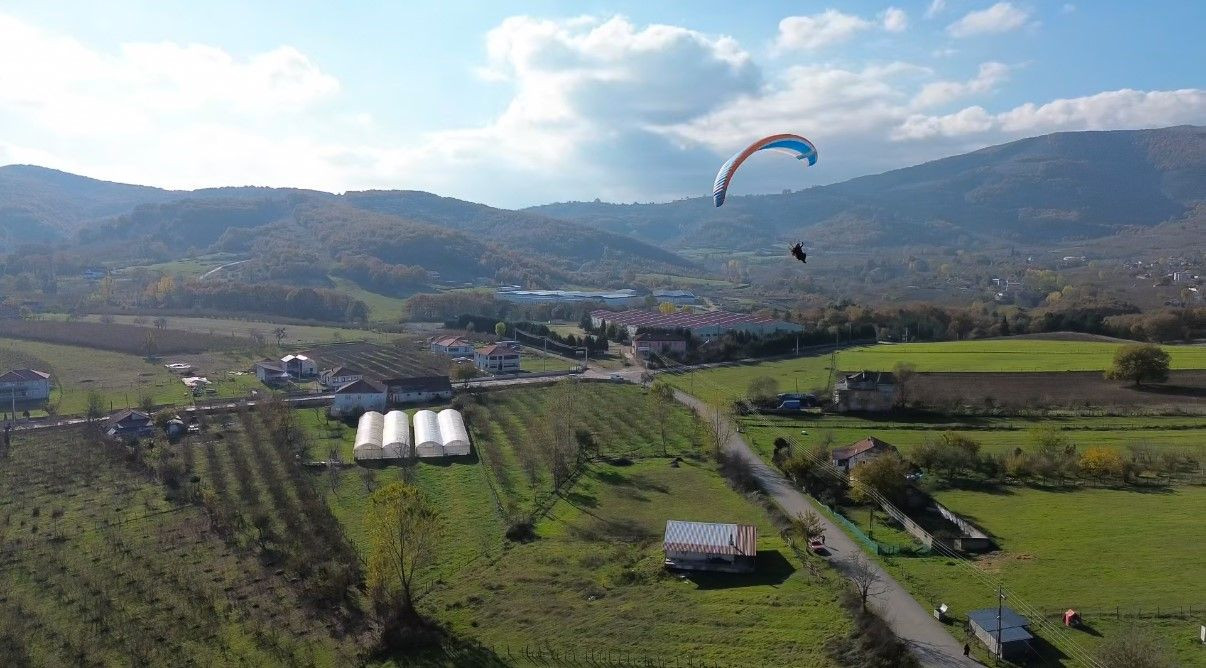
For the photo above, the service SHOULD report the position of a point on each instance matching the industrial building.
(676, 297)
(708, 546)
(704, 325)
(613, 298)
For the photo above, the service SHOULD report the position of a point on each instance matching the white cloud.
(937, 93)
(1068, 8)
(819, 30)
(895, 20)
(1119, 109)
(999, 18)
(936, 7)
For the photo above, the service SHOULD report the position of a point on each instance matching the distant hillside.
(1059, 187)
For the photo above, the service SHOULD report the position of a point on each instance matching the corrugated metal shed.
(368, 436)
(711, 538)
(453, 434)
(396, 435)
(986, 618)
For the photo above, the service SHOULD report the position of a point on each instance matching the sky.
(521, 103)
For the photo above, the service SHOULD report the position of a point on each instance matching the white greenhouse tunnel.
(396, 435)
(368, 436)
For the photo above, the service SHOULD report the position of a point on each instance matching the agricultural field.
(997, 436)
(598, 547)
(295, 335)
(1142, 547)
(533, 361)
(382, 308)
(812, 373)
(99, 568)
(187, 267)
(117, 337)
(121, 379)
(405, 357)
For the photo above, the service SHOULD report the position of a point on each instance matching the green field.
(812, 373)
(593, 581)
(532, 361)
(1103, 552)
(382, 308)
(187, 267)
(997, 435)
(295, 335)
(120, 379)
(101, 569)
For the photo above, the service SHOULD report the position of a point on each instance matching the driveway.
(926, 637)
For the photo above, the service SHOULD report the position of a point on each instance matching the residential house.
(659, 344)
(418, 389)
(866, 391)
(987, 624)
(24, 386)
(339, 376)
(299, 366)
(358, 396)
(452, 346)
(707, 546)
(497, 359)
(271, 372)
(869, 448)
(130, 425)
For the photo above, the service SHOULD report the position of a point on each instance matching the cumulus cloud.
(999, 18)
(1119, 109)
(819, 30)
(895, 20)
(938, 93)
(936, 7)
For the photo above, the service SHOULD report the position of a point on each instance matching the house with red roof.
(860, 451)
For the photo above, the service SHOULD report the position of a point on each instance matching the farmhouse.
(706, 546)
(299, 366)
(357, 396)
(418, 389)
(452, 346)
(704, 325)
(130, 425)
(497, 358)
(271, 372)
(866, 391)
(852, 455)
(24, 385)
(1014, 631)
(659, 344)
(339, 376)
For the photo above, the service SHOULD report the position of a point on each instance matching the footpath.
(926, 637)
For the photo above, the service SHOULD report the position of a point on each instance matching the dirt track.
(1063, 389)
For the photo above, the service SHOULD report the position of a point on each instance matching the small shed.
(453, 435)
(708, 546)
(368, 436)
(396, 435)
(1013, 628)
(428, 442)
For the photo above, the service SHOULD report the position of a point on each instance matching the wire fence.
(874, 545)
(1171, 611)
(545, 655)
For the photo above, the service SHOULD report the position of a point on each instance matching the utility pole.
(871, 521)
(1000, 610)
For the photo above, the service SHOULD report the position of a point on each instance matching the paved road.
(916, 626)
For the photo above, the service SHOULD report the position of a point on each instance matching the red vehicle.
(817, 544)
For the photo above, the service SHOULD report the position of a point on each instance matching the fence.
(1194, 611)
(874, 545)
(545, 655)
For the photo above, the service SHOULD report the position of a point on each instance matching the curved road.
(926, 637)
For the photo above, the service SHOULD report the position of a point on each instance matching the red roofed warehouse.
(703, 325)
(706, 546)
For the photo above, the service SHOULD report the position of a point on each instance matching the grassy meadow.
(295, 335)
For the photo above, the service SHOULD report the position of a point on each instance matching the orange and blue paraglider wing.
(793, 145)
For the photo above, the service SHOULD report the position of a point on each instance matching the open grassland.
(295, 335)
(117, 337)
(533, 360)
(120, 379)
(187, 267)
(382, 308)
(812, 373)
(100, 569)
(999, 436)
(593, 581)
(1103, 552)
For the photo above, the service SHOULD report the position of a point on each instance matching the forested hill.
(1065, 186)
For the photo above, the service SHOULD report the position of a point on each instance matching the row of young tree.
(303, 303)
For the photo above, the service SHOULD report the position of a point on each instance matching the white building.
(357, 396)
(428, 442)
(418, 389)
(369, 436)
(339, 376)
(612, 298)
(452, 346)
(453, 435)
(271, 372)
(24, 385)
(396, 435)
(497, 358)
(299, 366)
(676, 297)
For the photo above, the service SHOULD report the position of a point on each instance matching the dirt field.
(379, 362)
(1185, 390)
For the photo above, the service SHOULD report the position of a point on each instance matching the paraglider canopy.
(793, 145)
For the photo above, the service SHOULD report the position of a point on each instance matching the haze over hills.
(1058, 187)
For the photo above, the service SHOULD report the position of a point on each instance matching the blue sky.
(518, 103)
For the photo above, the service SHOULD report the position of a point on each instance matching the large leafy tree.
(884, 474)
(1138, 363)
(403, 527)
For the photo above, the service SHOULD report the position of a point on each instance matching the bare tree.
(256, 336)
(561, 445)
(279, 334)
(719, 421)
(661, 399)
(865, 577)
(161, 323)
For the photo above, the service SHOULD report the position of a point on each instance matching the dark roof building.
(1013, 630)
(420, 384)
(361, 386)
(130, 424)
(869, 391)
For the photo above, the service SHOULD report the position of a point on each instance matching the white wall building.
(24, 385)
(497, 358)
(300, 366)
(357, 396)
(452, 346)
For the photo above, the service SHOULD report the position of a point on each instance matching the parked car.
(616, 378)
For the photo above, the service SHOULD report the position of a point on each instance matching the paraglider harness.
(797, 251)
